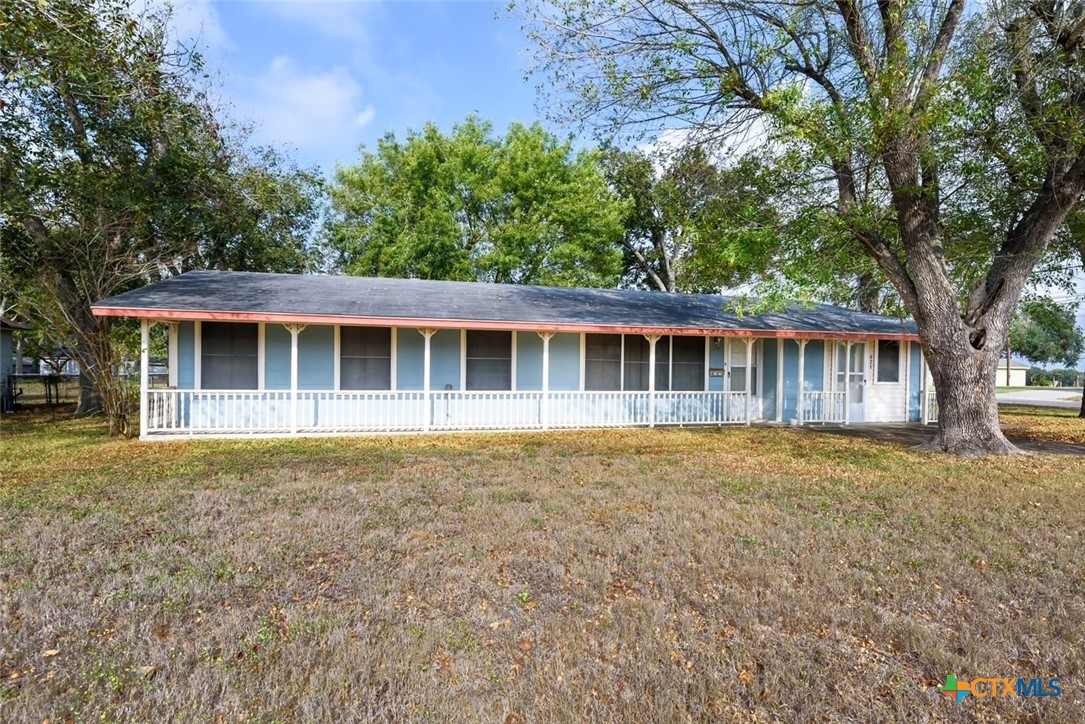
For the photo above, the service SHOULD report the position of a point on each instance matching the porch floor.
(913, 434)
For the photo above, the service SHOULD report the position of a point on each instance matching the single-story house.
(1012, 375)
(281, 354)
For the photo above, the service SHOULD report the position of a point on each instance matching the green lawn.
(650, 575)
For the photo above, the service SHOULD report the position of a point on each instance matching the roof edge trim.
(192, 315)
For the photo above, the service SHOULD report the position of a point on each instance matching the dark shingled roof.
(256, 294)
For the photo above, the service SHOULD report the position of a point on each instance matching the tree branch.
(871, 241)
(859, 41)
(644, 263)
(937, 57)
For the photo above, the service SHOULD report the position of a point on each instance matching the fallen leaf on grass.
(50, 653)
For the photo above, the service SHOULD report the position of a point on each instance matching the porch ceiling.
(286, 298)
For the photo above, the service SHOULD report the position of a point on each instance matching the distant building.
(1014, 376)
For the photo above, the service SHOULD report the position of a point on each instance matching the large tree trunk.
(964, 381)
(868, 292)
(90, 402)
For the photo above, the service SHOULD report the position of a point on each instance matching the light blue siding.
(529, 354)
(768, 360)
(316, 358)
(715, 360)
(565, 362)
(410, 355)
(915, 372)
(445, 360)
(277, 358)
(186, 353)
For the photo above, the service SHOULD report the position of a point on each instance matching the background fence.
(53, 390)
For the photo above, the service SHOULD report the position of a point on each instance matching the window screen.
(688, 360)
(602, 362)
(888, 360)
(663, 364)
(489, 360)
(636, 362)
(365, 358)
(229, 356)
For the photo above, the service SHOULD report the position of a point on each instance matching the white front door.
(857, 383)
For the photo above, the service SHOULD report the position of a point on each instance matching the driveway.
(1043, 397)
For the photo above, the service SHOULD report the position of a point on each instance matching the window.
(636, 363)
(365, 358)
(603, 362)
(229, 356)
(888, 360)
(489, 360)
(687, 363)
(614, 363)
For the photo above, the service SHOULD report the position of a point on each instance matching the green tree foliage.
(1047, 333)
(116, 170)
(693, 226)
(471, 206)
(942, 149)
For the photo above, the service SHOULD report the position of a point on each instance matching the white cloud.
(198, 20)
(192, 22)
(349, 20)
(315, 111)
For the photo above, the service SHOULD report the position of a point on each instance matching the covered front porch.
(740, 380)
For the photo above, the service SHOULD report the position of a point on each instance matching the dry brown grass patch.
(638, 575)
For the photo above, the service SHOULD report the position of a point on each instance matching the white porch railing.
(931, 414)
(279, 412)
(819, 406)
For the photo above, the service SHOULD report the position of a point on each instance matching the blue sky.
(320, 78)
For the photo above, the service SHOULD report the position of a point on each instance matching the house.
(1011, 375)
(7, 362)
(280, 354)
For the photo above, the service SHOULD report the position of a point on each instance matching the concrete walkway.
(1067, 398)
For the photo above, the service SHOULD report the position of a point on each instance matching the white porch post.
(749, 378)
(652, 339)
(924, 392)
(295, 330)
(546, 379)
(337, 347)
(780, 341)
(847, 382)
(144, 369)
(173, 358)
(197, 353)
(427, 334)
(261, 355)
(802, 376)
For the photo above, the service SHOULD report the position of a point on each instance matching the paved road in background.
(1043, 397)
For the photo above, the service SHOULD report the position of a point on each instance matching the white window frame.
(877, 358)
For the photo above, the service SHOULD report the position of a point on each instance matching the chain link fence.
(51, 390)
